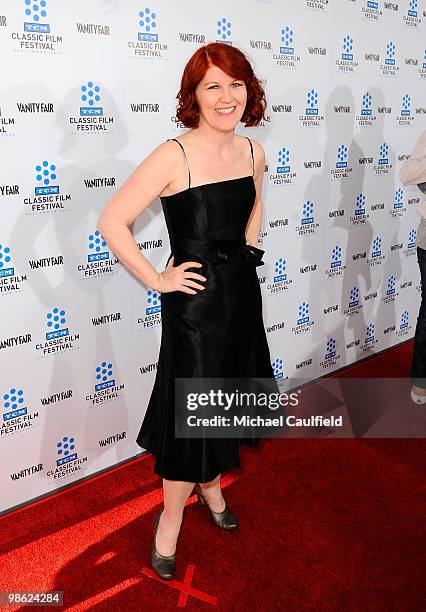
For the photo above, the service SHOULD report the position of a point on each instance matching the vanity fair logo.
(16, 416)
(37, 34)
(106, 387)
(285, 55)
(148, 44)
(10, 282)
(48, 196)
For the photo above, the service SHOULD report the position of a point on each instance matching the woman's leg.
(176, 492)
(418, 369)
(213, 494)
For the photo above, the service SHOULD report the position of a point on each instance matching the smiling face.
(221, 98)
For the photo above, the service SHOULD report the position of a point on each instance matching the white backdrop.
(88, 90)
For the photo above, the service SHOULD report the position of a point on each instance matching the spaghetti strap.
(251, 149)
(186, 159)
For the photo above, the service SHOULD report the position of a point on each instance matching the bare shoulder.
(258, 150)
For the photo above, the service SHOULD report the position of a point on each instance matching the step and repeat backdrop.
(88, 90)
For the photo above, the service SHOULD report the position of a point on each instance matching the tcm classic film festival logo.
(148, 43)
(91, 117)
(48, 195)
(16, 415)
(36, 34)
(98, 260)
(106, 388)
(57, 337)
(10, 282)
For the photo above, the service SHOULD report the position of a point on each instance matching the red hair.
(232, 61)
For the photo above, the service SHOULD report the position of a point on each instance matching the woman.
(413, 172)
(210, 184)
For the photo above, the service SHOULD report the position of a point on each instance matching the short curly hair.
(232, 61)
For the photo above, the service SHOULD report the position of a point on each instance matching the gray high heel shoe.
(225, 519)
(165, 567)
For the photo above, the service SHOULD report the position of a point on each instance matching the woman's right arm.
(143, 186)
(413, 170)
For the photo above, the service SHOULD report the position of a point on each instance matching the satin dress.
(218, 332)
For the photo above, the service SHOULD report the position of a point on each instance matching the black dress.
(218, 332)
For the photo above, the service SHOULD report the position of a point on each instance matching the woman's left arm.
(255, 221)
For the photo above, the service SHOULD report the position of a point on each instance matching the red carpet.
(325, 524)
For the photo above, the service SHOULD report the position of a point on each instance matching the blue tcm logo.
(391, 285)
(353, 297)
(55, 324)
(360, 205)
(406, 106)
(154, 301)
(280, 266)
(303, 314)
(390, 53)
(287, 39)
(399, 195)
(369, 333)
(307, 210)
(412, 236)
(342, 157)
(283, 164)
(6, 268)
(312, 102)
(330, 350)
(336, 257)
(224, 30)
(412, 8)
(36, 10)
(372, 5)
(377, 245)
(90, 96)
(148, 25)
(65, 450)
(13, 401)
(366, 104)
(277, 368)
(97, 244)
(45, 177)
(404, 320)
(104, 376)
(424, 59)
(383, 154)
(348, 43)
